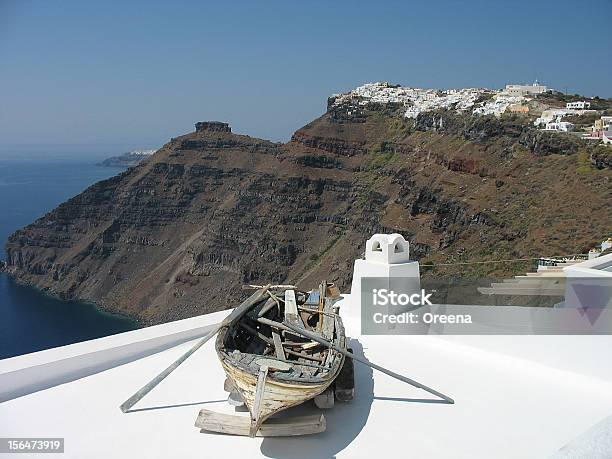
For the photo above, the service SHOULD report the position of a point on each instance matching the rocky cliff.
(212, 210)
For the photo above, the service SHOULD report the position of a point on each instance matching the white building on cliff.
(523, 90)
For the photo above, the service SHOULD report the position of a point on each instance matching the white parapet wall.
(33, 372)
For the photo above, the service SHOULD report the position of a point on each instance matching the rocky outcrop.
(510, 129)
(471, 127)
(318, 161)
(601, 157)
(346, 113)
(542, 143)
(336, 146)
(211, 210)
(212, 126)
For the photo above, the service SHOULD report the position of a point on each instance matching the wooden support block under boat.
(210, 421)
(228, 385)
(325, 400)
(344, 384)
(235, 399)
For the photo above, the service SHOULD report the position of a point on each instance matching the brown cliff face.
(212, 210)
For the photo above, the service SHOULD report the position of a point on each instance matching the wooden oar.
(315, 337)
(249, 302)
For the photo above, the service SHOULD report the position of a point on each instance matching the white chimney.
(386, 258)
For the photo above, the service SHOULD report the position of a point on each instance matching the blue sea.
(29, 319)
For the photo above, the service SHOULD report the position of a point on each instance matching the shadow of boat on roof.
(344, 421)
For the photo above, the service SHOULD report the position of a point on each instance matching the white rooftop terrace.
(514, 397)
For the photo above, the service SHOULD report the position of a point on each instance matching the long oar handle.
(401, 378)
(313, 336)
(250, 301)
(130, 402)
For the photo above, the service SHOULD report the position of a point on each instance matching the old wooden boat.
(273, 367)
(279, 348)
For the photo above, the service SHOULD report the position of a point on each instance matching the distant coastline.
(128, 159)
(100, 307)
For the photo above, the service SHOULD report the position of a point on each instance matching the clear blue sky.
(108, 75)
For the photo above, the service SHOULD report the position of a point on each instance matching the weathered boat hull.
(259, 365)
(277, 396)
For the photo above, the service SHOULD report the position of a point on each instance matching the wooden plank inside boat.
(278, 345)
